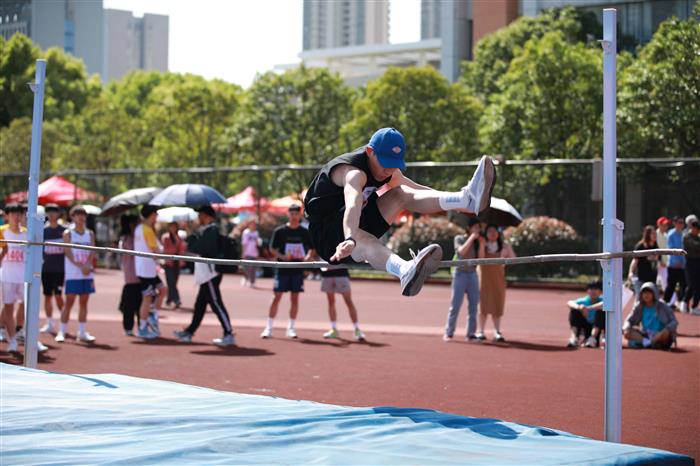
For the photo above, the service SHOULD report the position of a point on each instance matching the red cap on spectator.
(663, 221)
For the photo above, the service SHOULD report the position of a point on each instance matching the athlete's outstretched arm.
(353, 181)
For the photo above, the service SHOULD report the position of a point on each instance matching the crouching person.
(651, 324)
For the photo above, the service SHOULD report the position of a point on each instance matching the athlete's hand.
(343, 250)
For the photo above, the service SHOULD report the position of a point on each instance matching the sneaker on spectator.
(498, 338)
(683, 306)
(3, 335)
(226, 340)
(47, 328)
(446, 338)
(153, 323)
(695, 311)
(12, 347)
(129, 333)
(591, 342)
(19, 336)
(359, 336)
(473, 338)
(85, 337)
(573, 343)
(266, 333)
(146, 333)
(480, 337)
(60, 337)
(183, 336)
(291, 333)
(332, 333)
(41, 348)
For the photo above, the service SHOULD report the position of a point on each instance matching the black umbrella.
(129, 199)
(191, 195)
(499, 213)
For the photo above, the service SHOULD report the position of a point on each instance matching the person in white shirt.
(250, 241)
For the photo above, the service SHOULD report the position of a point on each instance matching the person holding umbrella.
(204, 242)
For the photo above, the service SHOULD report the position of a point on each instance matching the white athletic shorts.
(335, 285)
(12, 293)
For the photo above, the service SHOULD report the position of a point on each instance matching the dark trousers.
(675, 277)
(210, 294)
(692, 276)
(172, 273)
(581, 325)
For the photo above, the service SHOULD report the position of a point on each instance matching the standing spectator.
(290, 243)
(465, 281)
(676, 266)
(662, 226)
(12, 274)
(52, 272)
(205, 243)
(651, 324)
(152, 289)
(643, 269)
(586, 317)
(250, 241)
(173, 245)
(130, 301)
(79, 278)
(493, 282)
(691, 244)
(338, 281)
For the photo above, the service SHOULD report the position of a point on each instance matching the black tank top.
(324, 197)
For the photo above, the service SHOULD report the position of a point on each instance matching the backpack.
(227, 249)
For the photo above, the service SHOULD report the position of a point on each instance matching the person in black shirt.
(347, 217)
(52, 273)
(643, 269)
(205, 243)
(290, 243)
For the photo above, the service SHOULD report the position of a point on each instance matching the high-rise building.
(342, 23)
(430, 18)
(134, 43)
(110, 42)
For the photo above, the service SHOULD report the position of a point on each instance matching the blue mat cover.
(49, 418)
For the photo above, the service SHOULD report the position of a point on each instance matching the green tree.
(17, 58)
(659, 94)
(438, 120)
(291, 118)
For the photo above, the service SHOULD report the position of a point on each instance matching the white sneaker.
(85, 337)
(266, 333)
(291, 333)
(683, 307)
(591, 342)
(573, 343)
(48, 328)
(12, 346)
(41, 348)
(60, 337)
(359, 336)
(19, 336)
(3, 335)
(227, 340)
(425, 263)
(481, 185)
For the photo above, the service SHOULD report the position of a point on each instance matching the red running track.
(533, 379)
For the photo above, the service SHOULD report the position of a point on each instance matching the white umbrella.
(176, 214)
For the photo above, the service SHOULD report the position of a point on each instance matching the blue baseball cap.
(389, 146)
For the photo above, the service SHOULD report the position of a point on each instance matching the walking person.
(152, 289)
(204, 242)
(676, 267)
(130, 301)
(80, 282)
(338, 281)
(691, 244)
(250, 242)
(12, 260)
(290, 243)
(173, 245)
(52, 271)
(662, 226)
(465, 281)
(644, 269)
(493, 282)
(347, 217)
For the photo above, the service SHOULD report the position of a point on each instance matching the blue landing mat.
(115, 419)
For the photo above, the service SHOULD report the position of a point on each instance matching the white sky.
(235, 39)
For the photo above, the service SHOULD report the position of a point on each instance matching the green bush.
(423, 231)
(546, 235)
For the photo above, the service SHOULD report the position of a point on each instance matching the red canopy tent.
(245, 201)
(281, 205)
(57, 190)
